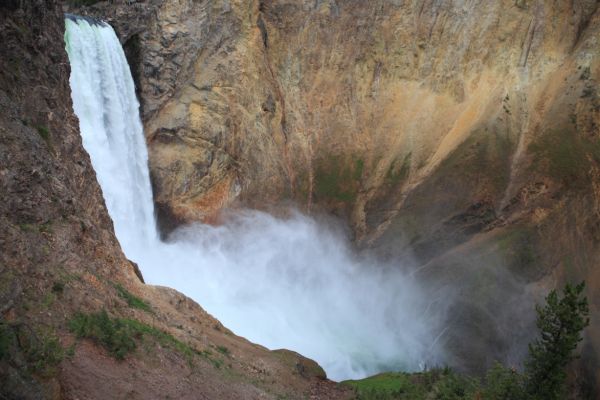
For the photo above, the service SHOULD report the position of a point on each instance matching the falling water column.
(104, 99)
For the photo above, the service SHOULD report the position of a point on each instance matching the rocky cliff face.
(59, 256)
(346, 104)
(462, 133)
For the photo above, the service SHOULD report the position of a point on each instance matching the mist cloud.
(295, 283)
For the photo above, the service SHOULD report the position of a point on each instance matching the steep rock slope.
(458, 136)
(59, 256)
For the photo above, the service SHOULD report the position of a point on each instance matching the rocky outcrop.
(59, 256)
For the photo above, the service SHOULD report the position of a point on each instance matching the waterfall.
(284, 283)
(111, 129)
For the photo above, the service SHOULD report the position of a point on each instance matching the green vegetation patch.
(223, 350)
(39, 347)
(44, 228)
(518, 245)
(482, 160)
(6, 338)
(359, 166)
(44, 132)
(434, 384)
(566, 156)
(58, 287)
(79, 3)
(132, 301)
(398, 171)
(387, 386)
(44, 352)
(560, 321)
(504, 383)
(338, 178)
(120, 335)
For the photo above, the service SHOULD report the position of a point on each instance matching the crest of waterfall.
(104, 100)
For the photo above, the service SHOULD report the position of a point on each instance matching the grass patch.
(115, 335)
(482, 161)
(397, 174)
(434, 384)
(44, 132)
(79, 3)
(44, 353)
(359, 167)
(120, 335)
(132, 301)
(6, 338)
(45, 228)
(48, 300)
(566, 156)
(216, 363)
(27, 227)
(518, 245)
(384, 386)
(338, 179)
(40, 348)
(223, 350)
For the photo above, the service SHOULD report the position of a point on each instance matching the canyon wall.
(460, 137)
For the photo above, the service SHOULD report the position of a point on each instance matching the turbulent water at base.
(284, 283)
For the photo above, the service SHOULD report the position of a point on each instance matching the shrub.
(58, 287)
(113, 334)
(45, 353)
(503, 383)
(119, 335)
(453, 386)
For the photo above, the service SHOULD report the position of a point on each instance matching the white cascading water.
(284, 283)
(104, 100)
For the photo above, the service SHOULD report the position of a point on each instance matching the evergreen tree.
(560, 321)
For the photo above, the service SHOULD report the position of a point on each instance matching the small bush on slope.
(116, 335)
(119, 335)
